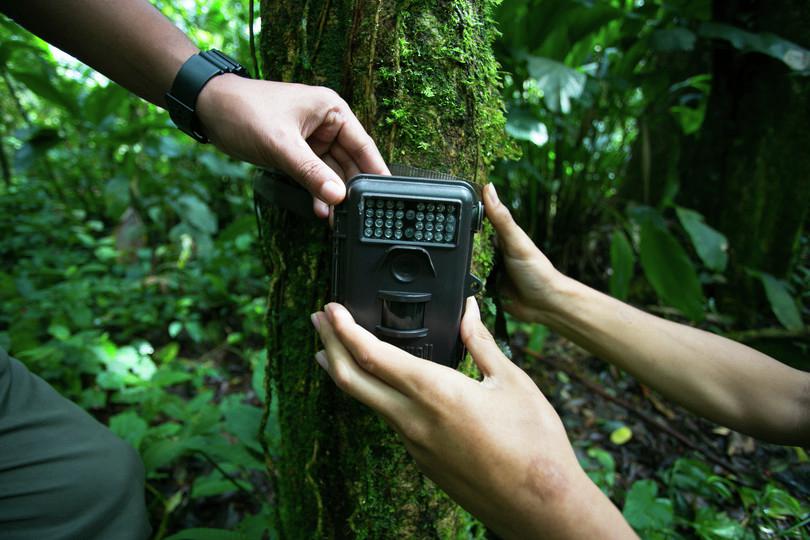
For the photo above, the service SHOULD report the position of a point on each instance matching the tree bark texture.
(749, 169)
(422, 79)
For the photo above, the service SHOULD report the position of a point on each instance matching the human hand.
(531, 287)
(307, 131)
(496, 446)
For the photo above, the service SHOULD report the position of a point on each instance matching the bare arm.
(129, 41)
(717, 378)
(307, 131)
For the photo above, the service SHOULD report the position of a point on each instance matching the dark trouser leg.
(63, 475)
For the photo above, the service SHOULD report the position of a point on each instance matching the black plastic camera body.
(402, 248)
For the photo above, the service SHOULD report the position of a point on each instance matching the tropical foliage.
(131, 280)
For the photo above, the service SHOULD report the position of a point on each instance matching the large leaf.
(130, 427)
(673, 39)
(670, 271)
(196, 213)
(643, 510)
(794, 56)
(559, 83)
(522, 125)
(782, 303)
(622, 261)
(711, 246)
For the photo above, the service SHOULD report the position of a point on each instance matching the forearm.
(715, 377)
(129, 41)
(580, 511)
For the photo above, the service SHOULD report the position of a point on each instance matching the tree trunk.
(422, 79)
(749, 171)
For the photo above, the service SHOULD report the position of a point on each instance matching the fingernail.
(331, 191)
(493, 193)
(472, 305)
(315, 321)
(320, 357)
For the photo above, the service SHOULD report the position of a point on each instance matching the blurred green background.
(131, 277)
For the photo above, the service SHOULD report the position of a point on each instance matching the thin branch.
(251, 16)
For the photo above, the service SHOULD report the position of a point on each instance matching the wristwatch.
(181, 100)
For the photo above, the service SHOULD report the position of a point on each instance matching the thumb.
(513, 240)
(299, 161)
(488, 357)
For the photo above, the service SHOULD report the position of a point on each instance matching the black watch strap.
(181, 100)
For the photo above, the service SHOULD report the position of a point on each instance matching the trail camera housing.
(402, 248)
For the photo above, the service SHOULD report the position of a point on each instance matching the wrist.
(559, 293)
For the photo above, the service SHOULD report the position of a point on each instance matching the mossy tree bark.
(748, 171)
(422, 79)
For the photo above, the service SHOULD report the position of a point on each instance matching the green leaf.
(37, 142)
(560, 84)
(523, 126)
(711, 246)
(130, 427)
(690, 118)
(621, 435)
(794, 56)
(673, 39)
(622, 261)
(243, 421)
(196, 213)
(782, 303)
(709, 523)
(207, 534)
(644, 511)
(670, 271)
(59, 331)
